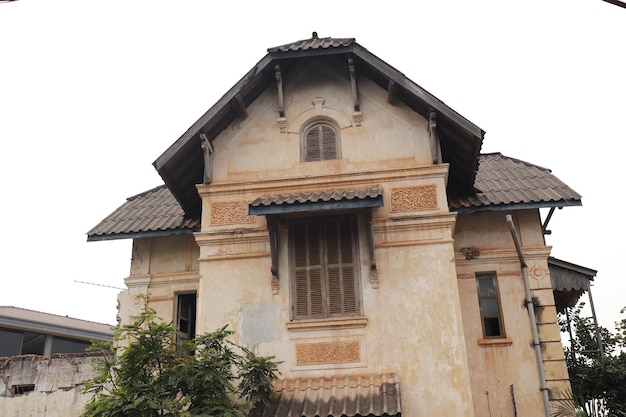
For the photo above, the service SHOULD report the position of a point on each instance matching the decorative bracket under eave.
(373, 270)
(207, 152)
(282, 121)
(357, 116)
(272, 228)
(392, 92)
(240, 106)
(435, 147)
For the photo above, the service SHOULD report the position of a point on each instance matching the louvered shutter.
(308, 292)
(325, 268)
(320, 143)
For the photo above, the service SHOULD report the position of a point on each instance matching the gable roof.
(181, 165)
(502, 183)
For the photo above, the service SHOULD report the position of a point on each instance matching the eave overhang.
(142, 234)
(516, 206)
(53, 329)
(181, 165)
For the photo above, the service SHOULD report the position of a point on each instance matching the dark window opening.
(67, 345)
(33, 343)
(489, 302)
(22, 389)
(186, 316)
(10, 342)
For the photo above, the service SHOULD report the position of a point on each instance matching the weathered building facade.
(44, 363)
(341, 218)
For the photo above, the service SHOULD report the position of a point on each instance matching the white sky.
(92, 92)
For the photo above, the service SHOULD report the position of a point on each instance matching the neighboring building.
(43, 362)
(341, 218)
(28, 332)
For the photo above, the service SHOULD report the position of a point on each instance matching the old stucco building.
(341, 218)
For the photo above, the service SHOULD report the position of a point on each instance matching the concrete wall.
(58, 382)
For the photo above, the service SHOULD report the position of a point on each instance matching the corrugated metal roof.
(313, 43)
(569, 282)
(354, 395)
(503, 183)
(22, 318)
(154, 211)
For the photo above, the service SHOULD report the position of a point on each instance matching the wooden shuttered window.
(325, 263)
(320, 143)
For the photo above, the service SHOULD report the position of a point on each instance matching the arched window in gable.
(320, 142)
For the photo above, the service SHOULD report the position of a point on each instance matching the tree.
(154, 375)
(598, 378)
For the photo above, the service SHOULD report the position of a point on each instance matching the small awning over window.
(569, 282)
(318, 200)
(355, 395)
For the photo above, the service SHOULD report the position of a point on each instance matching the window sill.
(327, 324)
(502, 341)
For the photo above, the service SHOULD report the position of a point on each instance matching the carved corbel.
(272, 228)
(240, 106)
(357, 116)
(392, 92)
(435, 146)
(373, 269)
(207, 152)
(282, 121)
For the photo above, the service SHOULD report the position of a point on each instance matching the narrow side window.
(489, 302)
(186, 316)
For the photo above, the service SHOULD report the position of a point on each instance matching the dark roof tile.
(353, 395)
(501, 183)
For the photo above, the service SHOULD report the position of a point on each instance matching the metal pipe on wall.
(531, 315)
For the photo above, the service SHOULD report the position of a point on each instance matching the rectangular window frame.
(486, 319)
(186, 315)
(327, 311)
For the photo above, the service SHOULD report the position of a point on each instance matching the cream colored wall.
(411, 321)
(495, 382)
(420, 308)
(161, 267)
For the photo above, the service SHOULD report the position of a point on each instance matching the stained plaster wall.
(161, 268)
(420, 308)
(58, 382)
(495, 383)
(411, 322)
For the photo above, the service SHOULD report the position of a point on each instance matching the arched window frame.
(326, 148)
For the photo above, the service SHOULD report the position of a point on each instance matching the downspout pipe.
(531, 315)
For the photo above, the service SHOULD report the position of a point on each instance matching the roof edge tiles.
(317, 200)
(373, 395)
